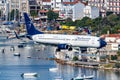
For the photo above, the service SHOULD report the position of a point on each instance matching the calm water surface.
(11, 67)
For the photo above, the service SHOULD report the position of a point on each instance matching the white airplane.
(62, 41)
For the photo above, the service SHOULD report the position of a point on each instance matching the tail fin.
(31, 30)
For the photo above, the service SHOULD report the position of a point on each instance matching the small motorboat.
(29, 75)
(53, 69)
(83, 77)
(16, 54)
(58, 79)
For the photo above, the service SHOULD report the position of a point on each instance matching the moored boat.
(16, 54)
(83, 77)
(29, 75)
(53, 69)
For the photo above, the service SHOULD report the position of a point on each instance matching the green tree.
(17, 14)
(96, 23)
(75, 58)
(79, 23)
(69, 22)
(52, 15)
(108, 13)
(118, 53)
(117, 65)
(83, 22)
(113, 57)
(12, 14)
(116, 28)
(104, 29)
(33, 13)
(112, 20)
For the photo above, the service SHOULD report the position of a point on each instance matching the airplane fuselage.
(73, 40)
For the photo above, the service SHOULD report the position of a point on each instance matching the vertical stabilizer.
(31, 30)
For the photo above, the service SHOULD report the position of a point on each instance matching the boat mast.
(15, 10)
(7, 9)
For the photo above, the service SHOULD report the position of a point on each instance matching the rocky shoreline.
(73, 63)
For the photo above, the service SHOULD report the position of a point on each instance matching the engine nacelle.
(63, 46)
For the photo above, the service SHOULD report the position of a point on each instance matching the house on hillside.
(91, 12)
(77, 10)
(112, 47)
(73, 10)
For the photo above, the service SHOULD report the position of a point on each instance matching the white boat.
(58, 79)
(29, 75)
(53, 69)
(83, 77)
(16, 54)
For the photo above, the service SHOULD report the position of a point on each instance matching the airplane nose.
(102, 43)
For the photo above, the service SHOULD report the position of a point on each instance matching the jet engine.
(63, 46)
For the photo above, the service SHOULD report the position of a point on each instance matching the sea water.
(34, 59)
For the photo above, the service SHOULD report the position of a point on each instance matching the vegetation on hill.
(99, 25)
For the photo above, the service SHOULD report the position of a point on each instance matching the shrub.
(117, 65)
(75, 58)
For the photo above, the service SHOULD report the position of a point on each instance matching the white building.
(73, 10)
(106, 5)
(7, 6)
(91, 12)
(56, 4)
(110, 39)
(77, 10)
(112, 45)
(3, 8)
(46, 4)
(67, 55)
